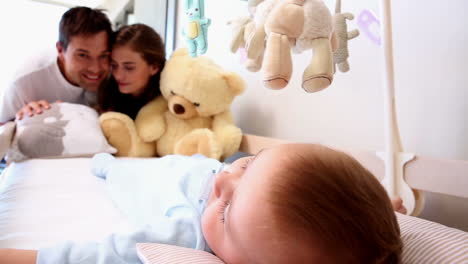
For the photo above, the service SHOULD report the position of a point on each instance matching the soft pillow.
(64, 130)
(423, 242)
(428, 242)
(152, 253)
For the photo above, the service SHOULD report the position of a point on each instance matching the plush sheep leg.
(319, 73)
(121, 133)
(277, 62)
(284, 25)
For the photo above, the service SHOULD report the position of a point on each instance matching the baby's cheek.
(207, 227)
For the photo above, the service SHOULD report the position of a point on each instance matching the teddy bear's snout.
(179, 109)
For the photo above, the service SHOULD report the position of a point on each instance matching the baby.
(293, 203)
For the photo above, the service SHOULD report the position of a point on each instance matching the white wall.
(150, 12)
(27, 29)
(431, 89)
(431, 82)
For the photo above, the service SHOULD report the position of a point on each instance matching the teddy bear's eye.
(196, 104)
(196, 9)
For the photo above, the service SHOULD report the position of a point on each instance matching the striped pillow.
(151, 253)
(423, 242)
(428, 242)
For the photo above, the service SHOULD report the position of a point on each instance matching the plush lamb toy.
(191, 117)
(302, 24)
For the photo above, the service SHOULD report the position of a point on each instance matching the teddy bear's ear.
(235, 82)
(180, 52)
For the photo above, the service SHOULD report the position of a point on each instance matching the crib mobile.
(275, 27)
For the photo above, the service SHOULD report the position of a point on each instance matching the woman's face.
(130, 70)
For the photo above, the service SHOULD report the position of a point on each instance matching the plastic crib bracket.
(395, 184)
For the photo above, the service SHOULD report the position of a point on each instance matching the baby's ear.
(235, 82)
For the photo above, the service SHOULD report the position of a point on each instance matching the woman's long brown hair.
(144, 40)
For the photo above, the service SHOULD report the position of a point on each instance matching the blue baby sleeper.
(163, 197)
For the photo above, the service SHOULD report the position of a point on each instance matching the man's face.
(85, 62)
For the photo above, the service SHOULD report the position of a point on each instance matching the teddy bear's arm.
(150, 122)
(227, 134)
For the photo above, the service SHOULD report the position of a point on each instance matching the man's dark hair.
(82, 20)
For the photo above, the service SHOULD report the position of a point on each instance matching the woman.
(137, 59)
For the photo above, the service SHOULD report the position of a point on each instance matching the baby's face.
(238, 223)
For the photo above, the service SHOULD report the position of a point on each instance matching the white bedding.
(77, 205)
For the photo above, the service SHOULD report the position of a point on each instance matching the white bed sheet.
(46, 201)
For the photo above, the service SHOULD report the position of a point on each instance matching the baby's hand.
(398, 206)
(32, 108)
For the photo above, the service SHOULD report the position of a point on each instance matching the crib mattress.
(47, 201)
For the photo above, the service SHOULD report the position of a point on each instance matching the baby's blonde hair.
(331, 201)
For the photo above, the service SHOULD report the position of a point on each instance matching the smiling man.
(71, 75)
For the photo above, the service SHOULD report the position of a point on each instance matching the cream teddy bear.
(192, 115)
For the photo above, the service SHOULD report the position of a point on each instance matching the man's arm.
(18, 256)
(11, 102)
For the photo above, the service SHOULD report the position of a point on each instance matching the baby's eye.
(196, 104)
(223, 210)
(246, 163)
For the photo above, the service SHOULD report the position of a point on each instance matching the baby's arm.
(121, 248)
(18, 256)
